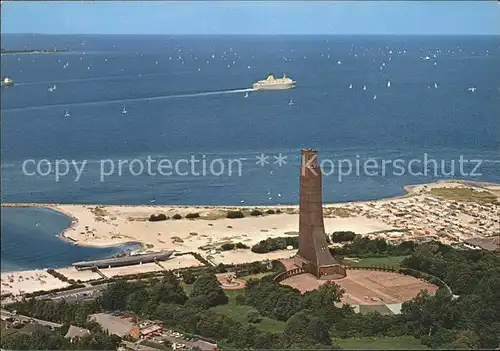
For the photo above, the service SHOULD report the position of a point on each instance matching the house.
(145, 332)
(76, 332)
(490, 244)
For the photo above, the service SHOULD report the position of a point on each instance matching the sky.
(252, 17)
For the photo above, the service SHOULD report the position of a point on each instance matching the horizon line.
(263, 35)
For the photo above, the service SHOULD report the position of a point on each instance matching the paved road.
(75, 294)
(8, 314)
(69, 295)
(137, 346)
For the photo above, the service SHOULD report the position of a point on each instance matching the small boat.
(7, 82)
(435, 85)
(473, 89)
(246, 95)
(364, 87)
(389, 84)
(350, 86)
(66, 114)
(124, 111)
(290, 103)
(374, 97)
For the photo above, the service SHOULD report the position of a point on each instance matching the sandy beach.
(18, 283)
(125, 224)
(106, 225)
(418, 214)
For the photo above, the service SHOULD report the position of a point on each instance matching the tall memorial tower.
(313, 254)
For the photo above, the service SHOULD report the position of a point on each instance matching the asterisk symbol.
(262, 160)
(280, 160)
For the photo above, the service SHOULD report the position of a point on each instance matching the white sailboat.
(350, 86)
(290, 103)
(389, 84)
(66, 114)
(246, 95)
(435, 85)
(364, 87)
(374, 97)
(124, 111)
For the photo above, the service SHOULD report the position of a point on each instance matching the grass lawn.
(187, 288)
(239, 313)
(380, 343)
(464, 194)
(256, 276)
(391, 261)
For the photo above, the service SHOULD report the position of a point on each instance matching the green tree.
(114, 297)
(207, 292)
(305, 328)
(169, 290)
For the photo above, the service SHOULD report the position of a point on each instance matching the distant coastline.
(33, 51)
(409, 190)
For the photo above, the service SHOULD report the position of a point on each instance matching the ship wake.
(121, 101)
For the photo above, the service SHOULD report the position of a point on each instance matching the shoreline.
(409, 190)
(418, 215)
(109, 225)
(35, 52)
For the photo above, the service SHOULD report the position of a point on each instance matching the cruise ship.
(272, 83)
(7, 82)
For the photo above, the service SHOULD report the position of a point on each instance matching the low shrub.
(227, 246)
(270, 211)
(220, 268)
(192, 215)
(176, 216)
(274, 244)
(239, 245)
(42, 292)
(254, 317)
(188, 278)
(59, 276)
(342, 236)
(256, 213)
(235, 214)
(157, 218)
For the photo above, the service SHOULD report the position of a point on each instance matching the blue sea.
(172, 99)
(29, 241)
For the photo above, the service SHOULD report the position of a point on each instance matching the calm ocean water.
(29, 241)
(183, 97)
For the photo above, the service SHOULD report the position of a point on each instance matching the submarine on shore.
(126, 260)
